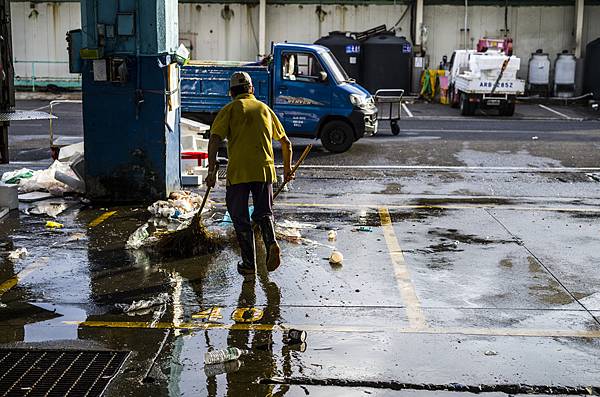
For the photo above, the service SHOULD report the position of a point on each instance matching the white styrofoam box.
(201, 144)
(188, 143)
(9, 196)
(188, 166)
(191, 180)
(202, 171)
(191, 127)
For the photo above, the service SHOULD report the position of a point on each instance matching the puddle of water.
(55, 329)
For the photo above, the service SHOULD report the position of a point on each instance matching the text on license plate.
(493, 102)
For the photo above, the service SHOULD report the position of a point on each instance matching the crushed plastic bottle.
(221, 356)
(137, 238)
(222, 368)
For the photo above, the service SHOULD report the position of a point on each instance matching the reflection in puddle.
(55, 329)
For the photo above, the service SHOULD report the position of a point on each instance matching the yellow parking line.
(14, 280)
(508, 332)
(438, 207)
(407, 290)
(102, 218)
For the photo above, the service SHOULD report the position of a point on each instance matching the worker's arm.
(213, 148)
(286, 151)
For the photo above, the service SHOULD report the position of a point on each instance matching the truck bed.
(484, 86)
(205, 85)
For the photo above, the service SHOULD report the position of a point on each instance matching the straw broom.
(195, 239)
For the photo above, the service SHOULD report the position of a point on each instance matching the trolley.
(389, 107)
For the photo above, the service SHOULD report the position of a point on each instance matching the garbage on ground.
(52, 209)
(54, 225)
(34, 196)
(180, 205)
(9, 196)
(331, 235)
(363, 229)
(228, 367)
(221, 356)
(290, 230)
(535, 138)
(491, 353)
(14, 177)
(227, 216)
(294, 336)
(138, 306)
(336, 257)
(17, 254)
(60, 178)
(137, 238)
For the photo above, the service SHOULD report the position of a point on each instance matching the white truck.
(484, 80)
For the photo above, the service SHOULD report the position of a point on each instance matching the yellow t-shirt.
(249, 127)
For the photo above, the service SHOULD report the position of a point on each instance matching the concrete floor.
(479, 272)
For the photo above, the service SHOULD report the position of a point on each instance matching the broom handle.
(198, 215)
(294, 169)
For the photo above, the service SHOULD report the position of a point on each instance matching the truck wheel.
(395, 127)
(337, 136)
(454, 98)
(507, 109)
(466, 107)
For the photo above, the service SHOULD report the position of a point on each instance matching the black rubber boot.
(273, 251)
(246, 241)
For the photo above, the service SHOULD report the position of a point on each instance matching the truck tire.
(507, 109)
(454, 98)
(337, 136)
(466, 107)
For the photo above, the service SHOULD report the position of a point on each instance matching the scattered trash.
(336, 258)
(535, 138)
(491, 353)
(17, 254)
(137, 238)
(180, 205)
(228, 367)
(363, 229)
(247, 315)
(141, 305)
(14, 177)
(70, 152)
(52, 209)
(331, 235)
(45, 180)
(227, 217)
(74, 183)
(34, 196)
(294, 336)
(295, 225)
(77, 237)
(288, 234)
(221, 356)
(54, 225)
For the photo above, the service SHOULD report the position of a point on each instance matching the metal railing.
(34, 80)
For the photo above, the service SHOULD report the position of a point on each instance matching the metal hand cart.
(389, 107)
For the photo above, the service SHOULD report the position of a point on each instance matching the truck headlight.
(358, 101)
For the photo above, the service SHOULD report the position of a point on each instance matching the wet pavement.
(470, 265)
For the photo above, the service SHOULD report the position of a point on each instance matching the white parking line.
(558, 113)
(451, 168)
(408, 112)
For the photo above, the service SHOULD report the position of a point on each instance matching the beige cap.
(240, 78)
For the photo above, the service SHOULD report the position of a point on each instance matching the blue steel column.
(131, 152)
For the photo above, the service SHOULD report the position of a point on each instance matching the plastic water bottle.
(221, 356)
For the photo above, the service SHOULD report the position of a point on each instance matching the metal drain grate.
(57, 372)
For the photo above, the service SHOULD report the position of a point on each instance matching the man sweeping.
(249, 127)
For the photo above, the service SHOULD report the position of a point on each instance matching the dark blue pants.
(237, 197)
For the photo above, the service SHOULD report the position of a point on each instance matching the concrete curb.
(46, 96)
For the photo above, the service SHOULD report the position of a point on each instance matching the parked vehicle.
(304, 84)
(484, 80)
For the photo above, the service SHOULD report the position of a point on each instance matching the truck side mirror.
(322, 76)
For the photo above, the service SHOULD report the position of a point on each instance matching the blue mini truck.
(304, 84)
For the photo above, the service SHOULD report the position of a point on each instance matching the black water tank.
(386, 62)
(591, 74)
(346, 49)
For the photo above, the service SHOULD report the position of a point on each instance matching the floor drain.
(57, 372)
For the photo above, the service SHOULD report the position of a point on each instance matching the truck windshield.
(339, 74)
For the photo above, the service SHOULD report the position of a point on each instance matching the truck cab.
(305, 86)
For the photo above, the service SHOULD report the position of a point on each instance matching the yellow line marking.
(443, 207)
(14, 280)
(509, 332)
(407, 290)
(102, 218)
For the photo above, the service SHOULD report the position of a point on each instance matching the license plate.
(493, 102)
